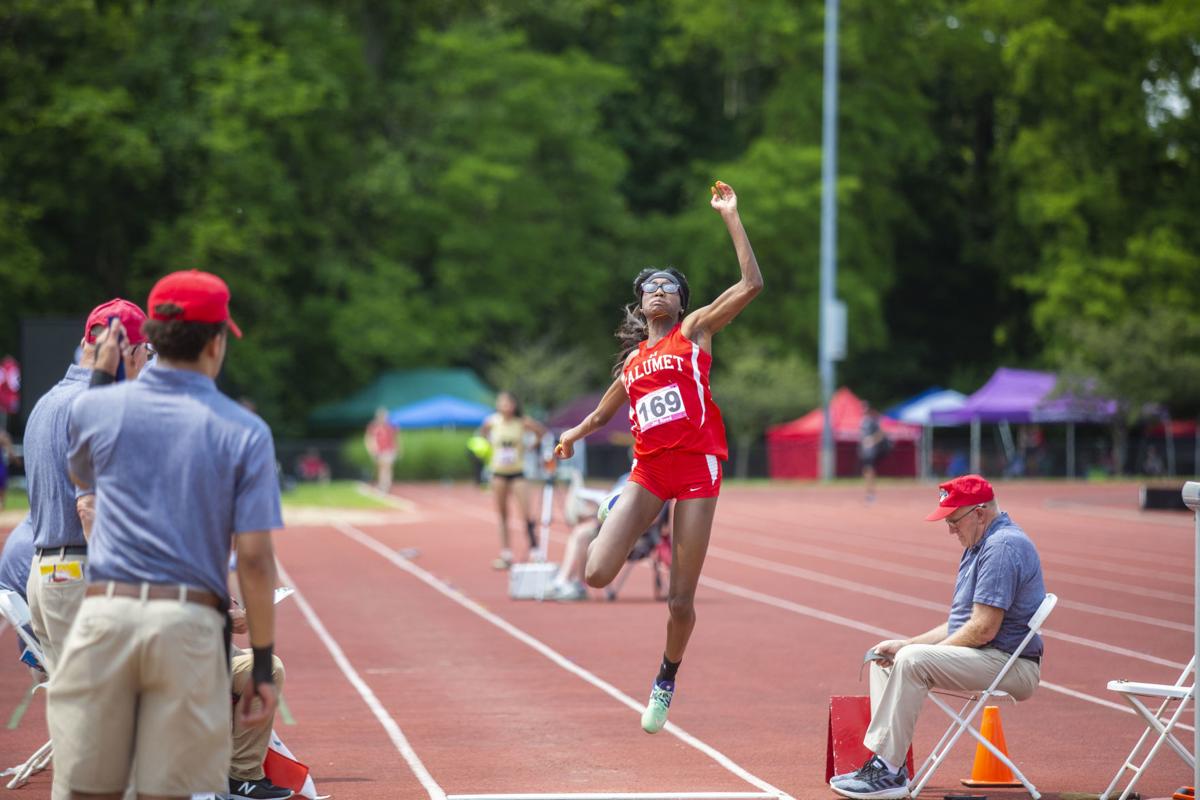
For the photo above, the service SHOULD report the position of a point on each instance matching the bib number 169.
(663, 405)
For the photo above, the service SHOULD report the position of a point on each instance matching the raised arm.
(609, 405)
(701, 324)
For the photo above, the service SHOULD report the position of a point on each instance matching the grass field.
(16, 500)
(337, 494)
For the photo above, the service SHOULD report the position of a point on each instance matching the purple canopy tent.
(1022, 395)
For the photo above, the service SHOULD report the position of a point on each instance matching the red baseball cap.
(202, 296)
(965, 490)
(130, 314)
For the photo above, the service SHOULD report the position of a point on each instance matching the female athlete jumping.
(678, 433)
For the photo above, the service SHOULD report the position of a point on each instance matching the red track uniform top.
(670, 404)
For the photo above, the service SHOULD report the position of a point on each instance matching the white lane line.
(898, 597)
(617, 796)
(796, 608)
(434, 583)
(827, 528)
(397, 736)
(878, 543)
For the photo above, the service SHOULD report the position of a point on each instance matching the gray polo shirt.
(178, 468)
(17, 558)
(51, 494)
(1003, 571)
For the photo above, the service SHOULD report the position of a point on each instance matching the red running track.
(487, 695)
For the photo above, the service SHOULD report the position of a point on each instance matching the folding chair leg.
(958, 726)
(1165, 735)
(937, 748)
(35, 763)
(614, 588)
(956, 729)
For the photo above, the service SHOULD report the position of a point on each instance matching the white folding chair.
(16, 613)
(961, 724)
(1181, 692)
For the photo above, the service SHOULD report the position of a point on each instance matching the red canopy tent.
(794, 448)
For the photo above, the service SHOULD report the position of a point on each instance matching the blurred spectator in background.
(311, 467)
(10, 389)
(383, 443)
(1152, 464)
(873, 445)
(506, 431)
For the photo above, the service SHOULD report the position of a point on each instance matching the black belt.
(65, 550)
(1034, 659)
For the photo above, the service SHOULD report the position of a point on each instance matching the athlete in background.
(506, 430)
(678, 433)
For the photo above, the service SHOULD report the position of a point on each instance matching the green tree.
(756, 388)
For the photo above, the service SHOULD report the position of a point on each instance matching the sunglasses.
(650, 287)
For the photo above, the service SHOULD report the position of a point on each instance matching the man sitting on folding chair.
(998, 590)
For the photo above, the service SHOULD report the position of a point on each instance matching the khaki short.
(143, 688)
(55, 591)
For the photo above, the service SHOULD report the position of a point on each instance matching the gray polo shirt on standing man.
(51, 494)
(55, 585)
(163, 515)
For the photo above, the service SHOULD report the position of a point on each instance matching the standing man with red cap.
(141, 694)
(999, 587)
(56, 577)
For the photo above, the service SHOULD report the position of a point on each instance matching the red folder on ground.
(849, 716)
(284, 771)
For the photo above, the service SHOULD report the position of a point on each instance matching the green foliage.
(543, 376)
(427, 455)
(757, 388)
(1141, 360)
(463, 183)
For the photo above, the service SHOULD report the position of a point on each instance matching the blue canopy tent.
(439, 411)
(918, 409)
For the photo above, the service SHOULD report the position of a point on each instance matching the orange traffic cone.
(990, 771)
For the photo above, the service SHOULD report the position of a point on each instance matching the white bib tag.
(662, 405)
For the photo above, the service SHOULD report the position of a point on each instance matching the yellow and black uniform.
(508, 447)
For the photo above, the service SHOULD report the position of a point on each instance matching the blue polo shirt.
(178, 469)
(51, 494)
(1003, 571)
(17, 558)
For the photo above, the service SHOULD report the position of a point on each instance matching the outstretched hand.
(565, 448)
(724, 200)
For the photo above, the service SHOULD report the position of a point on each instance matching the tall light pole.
(832, 315)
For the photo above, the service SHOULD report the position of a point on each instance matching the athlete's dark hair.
(175, 339)
(632, 330)
(517, 410)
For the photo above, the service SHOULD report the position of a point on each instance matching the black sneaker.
(261, 789)
(874, 781)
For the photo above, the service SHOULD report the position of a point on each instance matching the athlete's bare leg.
(522, 491)
(500, 492)
(628, 520)
(690, 531)
(576, 552)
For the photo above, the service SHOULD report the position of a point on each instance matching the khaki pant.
(250, 744)
(141, 698)
(54, 591)
(898, 692)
